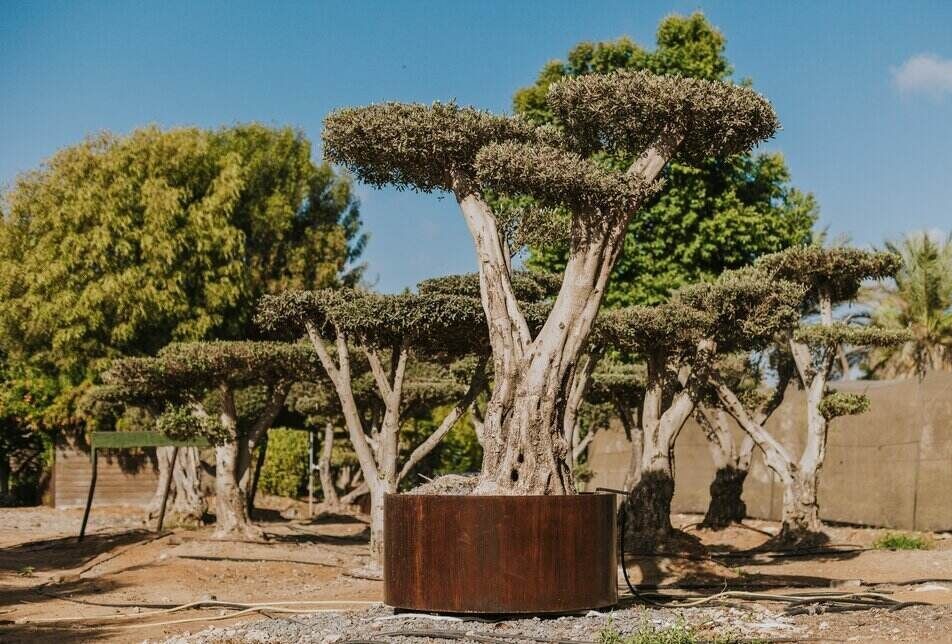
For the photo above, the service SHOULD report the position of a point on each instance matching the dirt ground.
(122, 567)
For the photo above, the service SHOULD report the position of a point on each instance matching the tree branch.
(476, 383)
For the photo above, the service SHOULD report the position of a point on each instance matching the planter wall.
(500, 554)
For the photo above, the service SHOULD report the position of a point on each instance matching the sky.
(863, 89)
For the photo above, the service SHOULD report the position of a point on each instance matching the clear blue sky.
(864, 89)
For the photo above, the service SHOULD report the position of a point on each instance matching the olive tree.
(464, 151)
(746, 374)
(228, 392)
(387, 330)
(829, 277)
(678, 341)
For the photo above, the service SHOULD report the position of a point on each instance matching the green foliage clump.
(648, 633)
(713, 213)
(902, 541)
(841, 403)
(284, 472)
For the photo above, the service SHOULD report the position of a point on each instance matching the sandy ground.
(124, 568)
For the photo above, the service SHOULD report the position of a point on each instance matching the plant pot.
(499, 554)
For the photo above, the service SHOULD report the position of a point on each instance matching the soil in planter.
(450, 484)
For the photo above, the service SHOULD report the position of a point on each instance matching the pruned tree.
(443, 147)
(678, 341)
(745, 374)
(388, 330)
(229, 392)
(828, 276)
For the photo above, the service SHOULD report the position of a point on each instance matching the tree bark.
(324, 468)
(186, 504)
(4, 476)
(649, 500)
(525, 449)
(732, 463)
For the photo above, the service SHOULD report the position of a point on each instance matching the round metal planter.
(500, 554)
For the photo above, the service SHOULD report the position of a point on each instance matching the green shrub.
(902, 541)
(647, 633)
(284, 472)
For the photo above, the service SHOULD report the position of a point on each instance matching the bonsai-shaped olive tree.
(829, 276)
(678, 341)
(229, 392)
(387, 330)
(745, 374)
(442, 147)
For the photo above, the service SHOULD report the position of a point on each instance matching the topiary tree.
(678, 340)
(465, 151)
(388, 330)
(713, 214)
(745, 374)
(828, 277)
(229, 392)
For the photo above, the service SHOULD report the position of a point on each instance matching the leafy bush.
(284, 472)
(647, 633)
(902, 541)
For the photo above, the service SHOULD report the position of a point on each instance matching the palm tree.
(920, 301)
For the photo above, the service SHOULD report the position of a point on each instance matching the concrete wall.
(115, 485)
(890, 467)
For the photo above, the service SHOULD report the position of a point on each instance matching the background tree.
(229, 392)
(829, 276)
(120, 245)
(747, 374)
(388, 330)
(650, 119)
(713, 213)
(920, 302)
(678, 340)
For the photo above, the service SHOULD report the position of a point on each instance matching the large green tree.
(713, 213)
(122, 244)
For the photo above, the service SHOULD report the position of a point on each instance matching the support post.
(310, 473)
(92, 491)
(168, 487)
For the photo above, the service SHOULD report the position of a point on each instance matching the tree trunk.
(648, 520)
(324, 468)
(801, 513)
(232, 484)
(732, 463)
(4, 476)
(525, 451)
(186, 504)
(727, 504)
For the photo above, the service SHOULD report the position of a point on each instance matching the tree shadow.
(59, 632)
(65, 553)
(304, 537)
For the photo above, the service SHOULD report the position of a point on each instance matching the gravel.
(381, 624)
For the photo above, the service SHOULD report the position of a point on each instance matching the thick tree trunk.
(727, 504)
(324, 468)
(186, 504)
(801, 513)
(232, 485)
(732, 463)
(648, 520)
(525, 450)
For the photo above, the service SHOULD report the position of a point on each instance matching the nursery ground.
(123, 567)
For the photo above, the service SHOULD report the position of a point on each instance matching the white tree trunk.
(186, 503)
(732, 464)
(525, 449)
(324, 468)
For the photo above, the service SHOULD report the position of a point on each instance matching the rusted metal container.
(500, 554)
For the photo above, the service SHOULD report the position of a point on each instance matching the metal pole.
(310, 473)
(168, 487)
(92, 490)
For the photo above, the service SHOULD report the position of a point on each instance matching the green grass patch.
(902, 541)
(647, 633)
